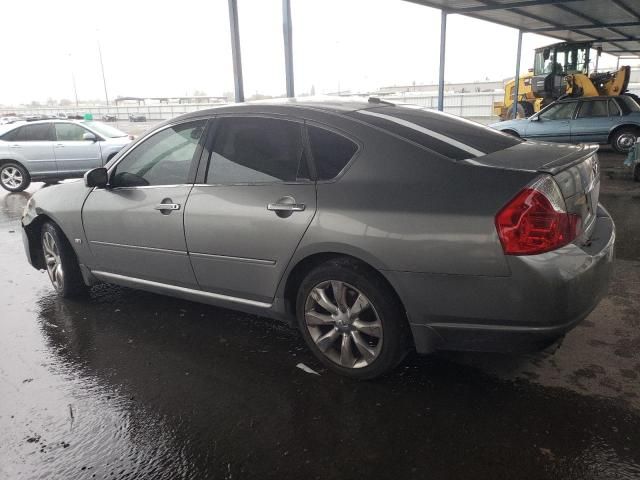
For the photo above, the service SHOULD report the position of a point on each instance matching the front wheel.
(14, 177)
(61, 262)
(623, 139)
(352, 320)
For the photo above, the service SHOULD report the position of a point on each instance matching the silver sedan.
(374, 228)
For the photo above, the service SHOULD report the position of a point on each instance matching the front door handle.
(168, 206)
(286, 207)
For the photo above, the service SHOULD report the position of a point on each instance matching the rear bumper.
(544, 297)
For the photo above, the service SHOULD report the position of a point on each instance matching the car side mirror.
(534, 119)
(97, 177)
(89, 137)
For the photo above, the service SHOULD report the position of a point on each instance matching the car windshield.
(105, 130)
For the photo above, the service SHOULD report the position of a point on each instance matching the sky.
(175, 48)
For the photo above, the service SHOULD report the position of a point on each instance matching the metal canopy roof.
(613, 24)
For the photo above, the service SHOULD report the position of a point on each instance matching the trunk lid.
(574, 168)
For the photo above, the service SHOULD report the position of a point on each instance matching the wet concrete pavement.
(128, 384)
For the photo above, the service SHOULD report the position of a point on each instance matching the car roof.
(586, 99)
(337, 105)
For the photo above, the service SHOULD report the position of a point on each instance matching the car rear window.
(448, 135)
(629, 103)
(331, 152)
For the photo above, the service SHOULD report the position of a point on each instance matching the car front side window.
(257, 150)
(165, 158)
(68, 132)
(559, 111)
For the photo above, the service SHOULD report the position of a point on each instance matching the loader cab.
(553, 63)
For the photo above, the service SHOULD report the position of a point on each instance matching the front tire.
(61, 262)
(14, 177)
(352, 320)
(622, 140)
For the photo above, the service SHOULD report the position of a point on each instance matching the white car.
(52, 150)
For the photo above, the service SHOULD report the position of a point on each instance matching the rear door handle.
(168, 206)
(15, 146)
(286, 207)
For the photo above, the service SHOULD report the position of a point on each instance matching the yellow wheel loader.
(560, 70)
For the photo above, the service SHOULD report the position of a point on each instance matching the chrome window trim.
(200, 293)
(257, 261)
(137, 247)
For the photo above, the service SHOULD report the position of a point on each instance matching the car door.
(135, 226)
(593, 121)
(32, 145)
(74, 154)
(552, 124)
(250, 207)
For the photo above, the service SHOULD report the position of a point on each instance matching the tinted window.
(256, 150)
(31, 133)
(68, 132)
(163, 159)
(628, 104)
(559, 111)
(448, 135)
(595, 108)
(331, 152)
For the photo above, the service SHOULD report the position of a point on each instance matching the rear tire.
(622, 140)
(14, 177)
(61, 262)
(352, 320)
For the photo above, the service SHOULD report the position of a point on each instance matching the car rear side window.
(164, 158)
(629, 105)
(331, 152)
(31, 133)
(448, 135)
(594, 108)
(256, 150)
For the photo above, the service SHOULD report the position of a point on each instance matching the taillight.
(536, 221)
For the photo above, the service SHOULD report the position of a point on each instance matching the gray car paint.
(426, 223)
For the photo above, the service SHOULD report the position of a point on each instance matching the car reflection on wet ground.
(128, 384)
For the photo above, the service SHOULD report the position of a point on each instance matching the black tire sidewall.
(26, 178)
(72, 284)
(614, 139)
(394, 325)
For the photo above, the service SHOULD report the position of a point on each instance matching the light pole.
(73, 80)
(104, 79)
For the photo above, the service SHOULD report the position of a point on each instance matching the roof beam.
(627, 9)
(594, 21)
(584, 27)
(506, 6)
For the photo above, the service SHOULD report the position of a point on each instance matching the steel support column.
(288, 46)
(517, 81)
(443, 42)
(235, 51)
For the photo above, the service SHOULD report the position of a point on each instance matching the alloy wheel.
(53, 261)
(343, 324)
(626, 141)
(11, 177)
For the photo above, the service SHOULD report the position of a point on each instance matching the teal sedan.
(603, 120)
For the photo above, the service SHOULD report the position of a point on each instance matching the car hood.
(118, 141)
(508, 123)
